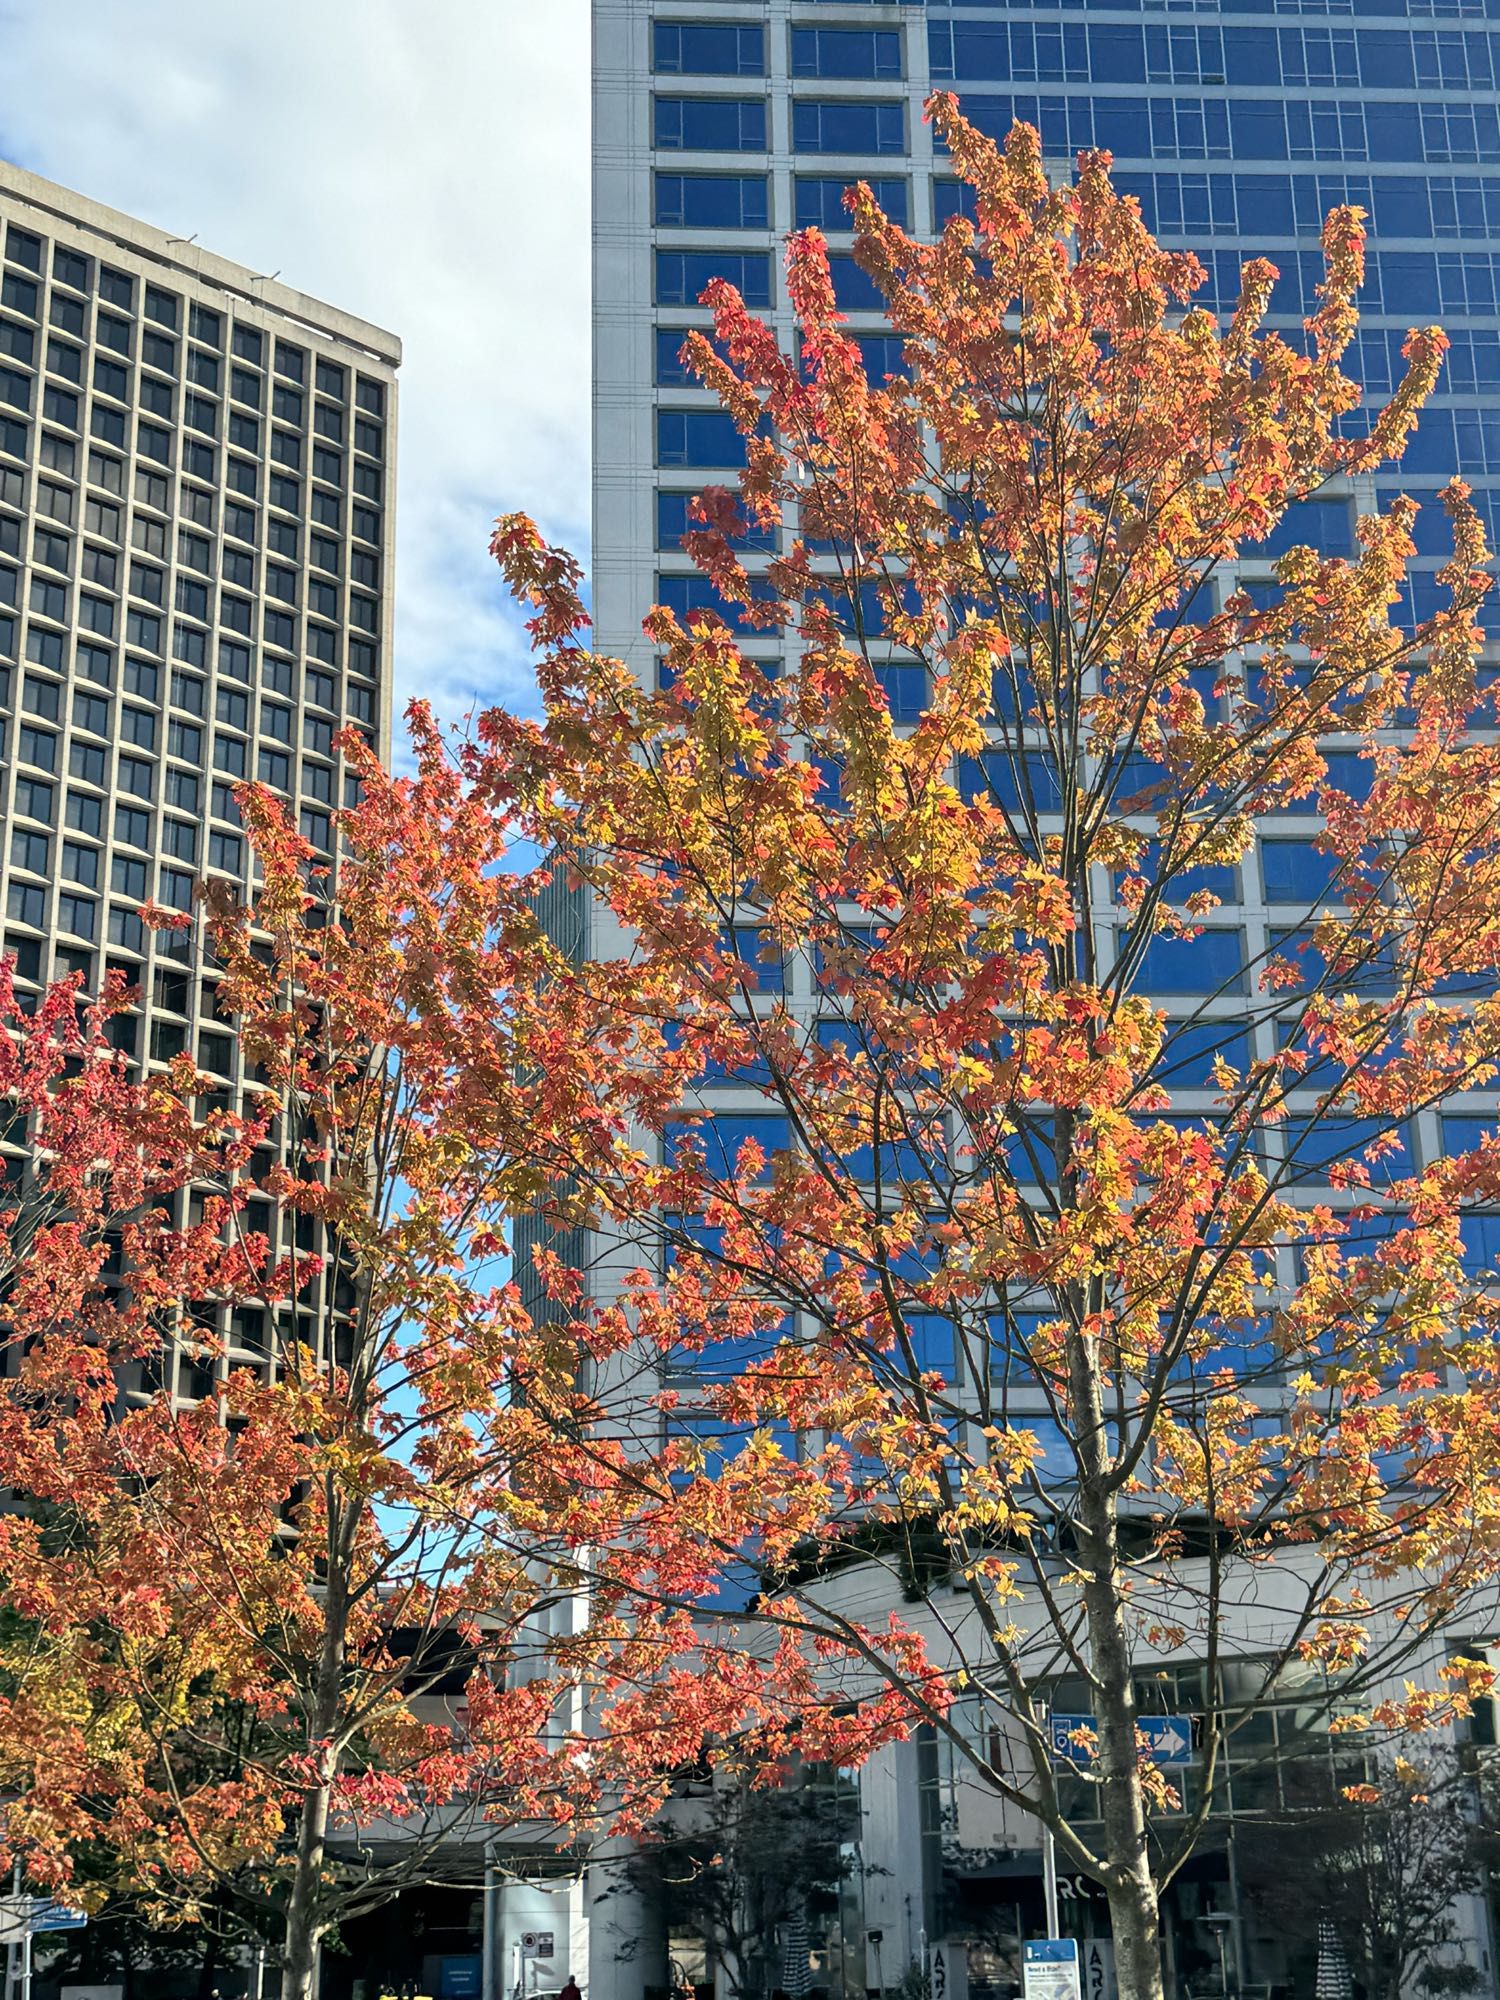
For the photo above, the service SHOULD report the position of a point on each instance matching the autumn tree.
(1046, 1271)
(274, 1655)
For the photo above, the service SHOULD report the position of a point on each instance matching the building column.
(627, 1944)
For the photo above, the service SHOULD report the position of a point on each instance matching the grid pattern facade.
(719, 127)
(196, 528)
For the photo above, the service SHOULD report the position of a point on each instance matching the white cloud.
(424, 165)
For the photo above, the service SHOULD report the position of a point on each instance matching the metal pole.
(1049, 1882)
(26, 1965)
(13, 1951)
(488, 1984)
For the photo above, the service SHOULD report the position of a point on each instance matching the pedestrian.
(570, 1989)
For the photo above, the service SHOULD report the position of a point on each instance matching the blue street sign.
(50, 1916)
(1052, 1951)
(1169, 1738)
(1061, 1729)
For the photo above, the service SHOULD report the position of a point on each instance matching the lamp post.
(1219, 1922)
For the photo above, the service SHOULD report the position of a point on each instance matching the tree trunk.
(1136, 1922)
(1130, 1883)
(305, 1918)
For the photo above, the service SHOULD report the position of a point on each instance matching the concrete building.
(719, 127)
(197, 514)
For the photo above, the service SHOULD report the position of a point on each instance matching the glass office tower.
(721, 125)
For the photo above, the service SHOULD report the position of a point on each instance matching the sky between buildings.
(425, 166)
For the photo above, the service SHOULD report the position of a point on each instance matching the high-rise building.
(722, 124)
(197, 498)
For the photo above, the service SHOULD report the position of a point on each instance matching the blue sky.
(424, 165)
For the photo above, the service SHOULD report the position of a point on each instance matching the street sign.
(1170, 1737)
(948, 1971)
(1061, 1729)
(1099, 1981)
(49, 1916)
(536, 1944)
(1049, 1969)
(15, 1918)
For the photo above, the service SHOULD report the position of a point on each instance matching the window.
(58, 454)
(142, 677)
(135, 777)
(68, 268)
(239, 522)
(276, 721)
(26, 903)
(100, 518)
(161, 306)
(370, 396)
(151, 490)
(331, 380)
(34, 799)
(85, 813)
(78, 914)
(147, 581)
(231, 755)
(232, 705)
(43, 698)
(328, 423)
(188, 693)
(66, 360)
(132, 826)
(709, 124)
(45, 648)
(820, 202)
(21, 247)
(691, 48)
(153, 442)
(711, 201)
(206, 325)
(51, 551)
(158, 352)
(143, 629)
(185, 740)
(67, 315)
(127, 877)
(19, 294)
(138, 727)
(29, 850)
(179, 838)
(1212, 962)
(226, 851)
(116, 288)
(95, 663)
(848, 126)
(862, 53)
(182, 790)
(1295, 871)
(86, 761)
(97, 614)
(275, 770)
(682, 275)
(150, 537)
(56, 502)
(112, 333)
(80, 864)
(90, 712)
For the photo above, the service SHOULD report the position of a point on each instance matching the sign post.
(1049, 1969)
(950, 1971)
